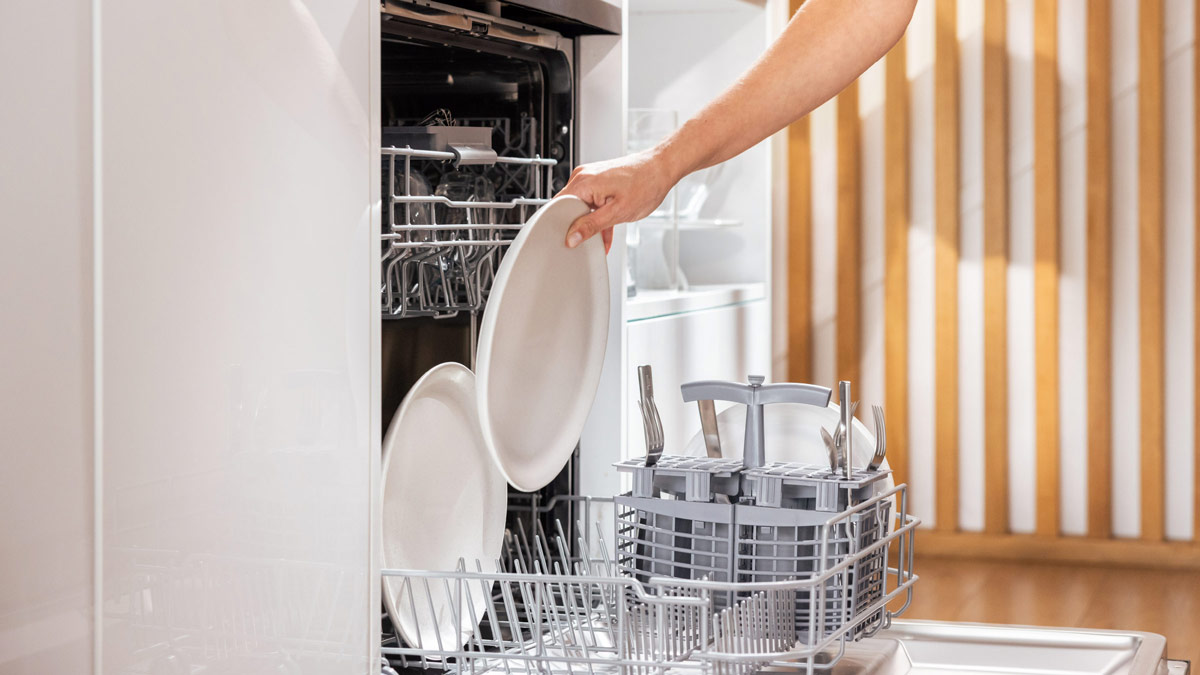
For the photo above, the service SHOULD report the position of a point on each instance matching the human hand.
(620, 190)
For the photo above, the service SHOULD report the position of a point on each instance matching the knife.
(708, 426)
(712, 437)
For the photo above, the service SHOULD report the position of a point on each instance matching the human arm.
(826, 45)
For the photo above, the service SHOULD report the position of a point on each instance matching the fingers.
(573, 188)
(585, 186)
(584, 227)
(607, 236)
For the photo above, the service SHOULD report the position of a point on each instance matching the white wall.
(921, 237)
(1179, 190)
(1072, 213)
(971, 484)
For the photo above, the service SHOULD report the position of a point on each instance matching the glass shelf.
(696, 224)
(651, 303)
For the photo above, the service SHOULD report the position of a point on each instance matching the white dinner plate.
(541, 346)
(443, 500)
(791, 433)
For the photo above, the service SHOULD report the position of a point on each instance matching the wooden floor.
(1156, 601)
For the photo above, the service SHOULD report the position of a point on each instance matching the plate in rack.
(444, 501)
(541, 346)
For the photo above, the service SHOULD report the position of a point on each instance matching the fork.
(831, 448)
(651, 421)
(652, 424)
(880, 438)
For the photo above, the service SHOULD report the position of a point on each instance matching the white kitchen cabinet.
(220, 346)
(236, 315)
(726, 343)
(46, 365)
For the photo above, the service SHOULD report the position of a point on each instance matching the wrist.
(672, 164)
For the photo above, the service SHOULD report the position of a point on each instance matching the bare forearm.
(826, 45)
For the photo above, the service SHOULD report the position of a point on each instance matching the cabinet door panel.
(46, 364)
(237, 312)
(728, 343)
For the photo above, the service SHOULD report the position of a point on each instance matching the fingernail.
(573, 239)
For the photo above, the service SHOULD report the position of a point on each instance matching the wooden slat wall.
(1099, 269)
(1046, 260)
(1150, 243)
(799, 252)
(799, 288)
(996, 540)
(849, 237)
(895, 283)
(995, 265)
(945, 104)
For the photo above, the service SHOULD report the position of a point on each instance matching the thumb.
(588, 225)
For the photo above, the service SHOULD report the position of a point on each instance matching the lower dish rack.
(572, 603)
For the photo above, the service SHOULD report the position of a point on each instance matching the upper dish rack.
(441, 250)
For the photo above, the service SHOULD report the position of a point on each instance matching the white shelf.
(694, 224)
(692, 6)
(648, 303)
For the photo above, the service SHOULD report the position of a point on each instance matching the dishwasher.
(715, 565)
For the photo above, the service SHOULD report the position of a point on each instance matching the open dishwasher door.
(912, 647)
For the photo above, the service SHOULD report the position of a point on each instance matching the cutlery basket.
(793, 523)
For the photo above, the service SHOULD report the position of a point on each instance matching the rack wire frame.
(439, 269)
(562, 607)
(773, 549)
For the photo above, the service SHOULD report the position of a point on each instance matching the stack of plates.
(459, 436)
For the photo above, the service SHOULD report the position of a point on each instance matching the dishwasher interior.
(477, 114)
